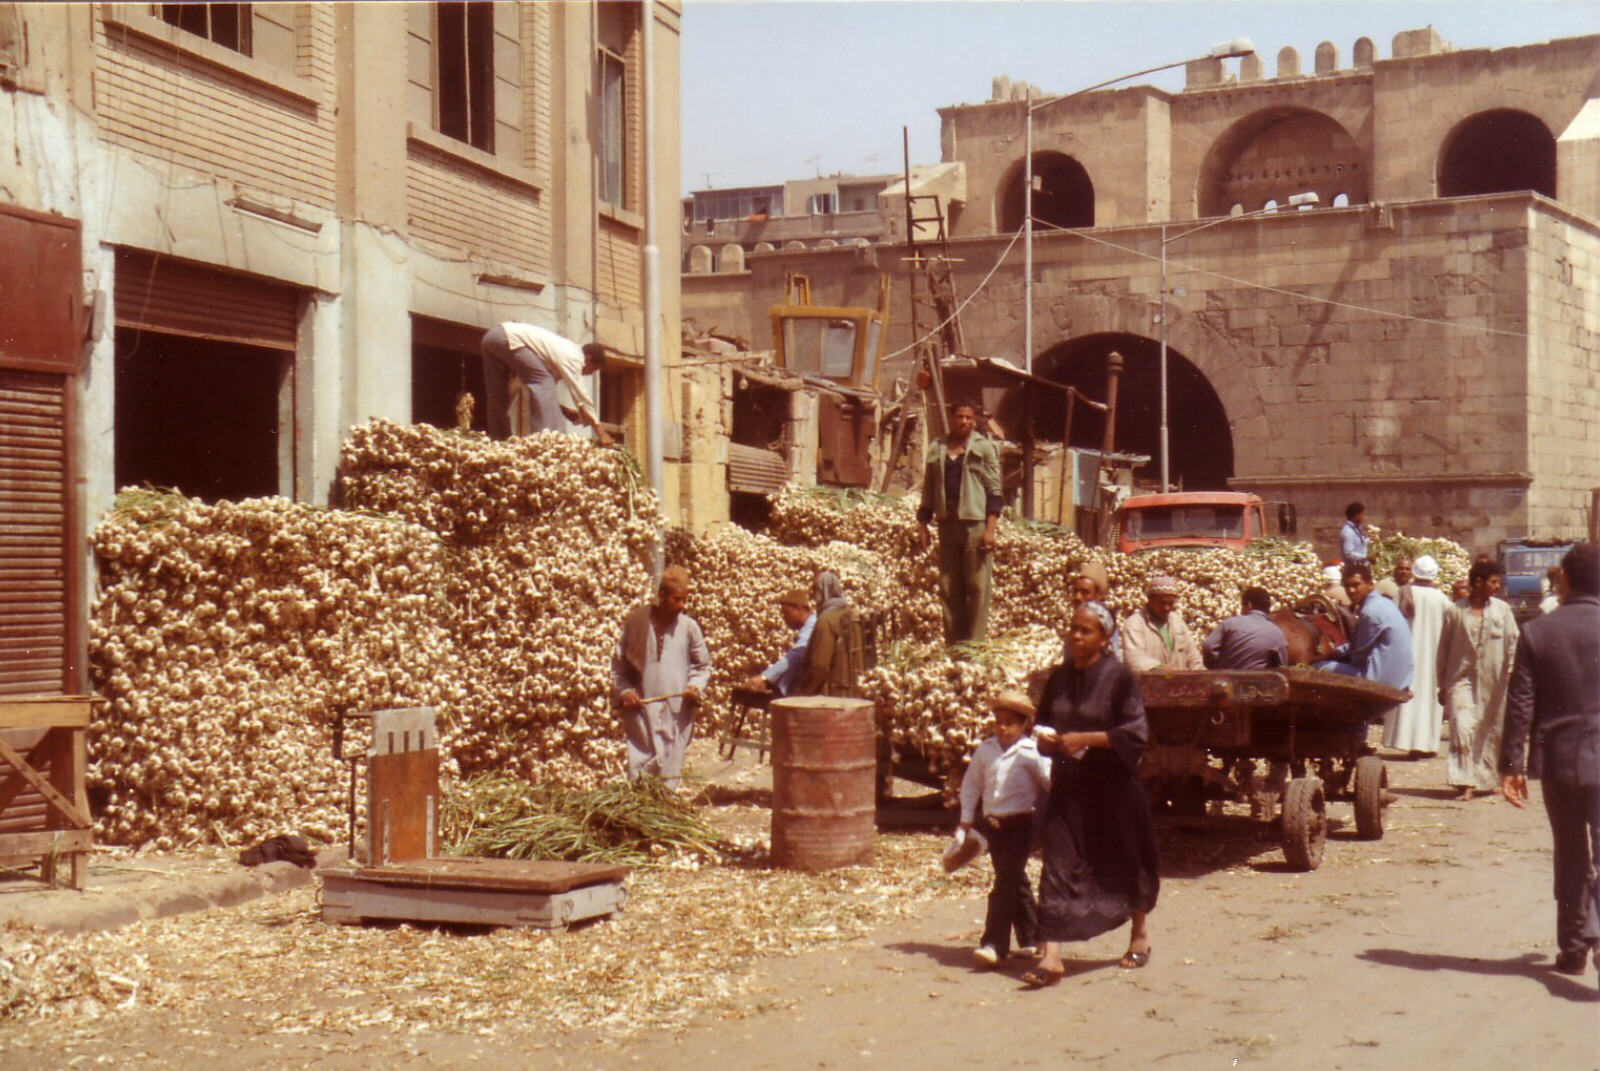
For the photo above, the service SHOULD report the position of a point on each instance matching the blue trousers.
(501, 360)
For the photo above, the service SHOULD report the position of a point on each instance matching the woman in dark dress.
(1099, 841)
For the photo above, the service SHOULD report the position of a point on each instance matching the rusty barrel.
(824, 761)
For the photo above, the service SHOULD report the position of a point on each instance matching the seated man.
(837, 653)
(1154, 637)
(1380, 648)
(781, 677)
(1249, 641)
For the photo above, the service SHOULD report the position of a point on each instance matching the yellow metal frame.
(797, 306)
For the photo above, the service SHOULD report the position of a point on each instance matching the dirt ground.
(1431, 947)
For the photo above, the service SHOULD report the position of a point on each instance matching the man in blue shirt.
(780, 677)
(1352, 540)
(1380, 648)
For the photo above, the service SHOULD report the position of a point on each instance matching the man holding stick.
(660, 667)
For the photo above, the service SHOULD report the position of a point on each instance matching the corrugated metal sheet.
(33, 533)
(752, 470)
(179, 297)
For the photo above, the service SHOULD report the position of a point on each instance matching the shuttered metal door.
(36, 637)
(179, 297)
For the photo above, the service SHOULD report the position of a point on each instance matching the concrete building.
(233, 231)
(723, 226)
(1425, 339)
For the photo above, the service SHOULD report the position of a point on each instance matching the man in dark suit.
(1555, 694)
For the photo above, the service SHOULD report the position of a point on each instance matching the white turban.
(1425, 568)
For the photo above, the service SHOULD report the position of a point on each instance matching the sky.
(784, 89)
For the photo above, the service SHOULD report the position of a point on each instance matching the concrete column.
(374, 326)
(373, 309)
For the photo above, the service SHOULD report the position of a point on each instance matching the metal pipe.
(1027, 236)
(1166, 484)
(653, 388)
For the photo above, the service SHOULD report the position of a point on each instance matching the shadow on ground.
(957, 957)
(1528, 965)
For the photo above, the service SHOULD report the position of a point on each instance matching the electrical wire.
(964, 302)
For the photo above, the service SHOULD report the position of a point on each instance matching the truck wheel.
(1305, 823)
(1371, 792)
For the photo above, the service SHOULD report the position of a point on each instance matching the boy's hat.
(1015, 702)
(967, 846)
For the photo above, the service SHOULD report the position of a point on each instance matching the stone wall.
(1563, 372)
(1379, 352)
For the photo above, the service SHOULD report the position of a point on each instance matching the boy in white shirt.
(1010, 779)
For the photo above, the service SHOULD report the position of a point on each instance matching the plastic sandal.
(1132, 961)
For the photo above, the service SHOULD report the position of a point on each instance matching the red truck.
(1197, 519)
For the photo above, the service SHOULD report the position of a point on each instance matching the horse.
(1312, 629)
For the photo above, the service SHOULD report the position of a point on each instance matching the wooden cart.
(44, 812)
(1290, 716)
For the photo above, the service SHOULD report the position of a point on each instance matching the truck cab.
(1196, 519)
(1525, 563)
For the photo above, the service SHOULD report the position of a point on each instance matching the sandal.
(1039, 978)
(1132, 961)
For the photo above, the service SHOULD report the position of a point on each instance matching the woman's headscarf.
(827, 593)
(1108, 624)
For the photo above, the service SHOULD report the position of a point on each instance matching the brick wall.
(178, 106)
(618, 269)
(461, 210)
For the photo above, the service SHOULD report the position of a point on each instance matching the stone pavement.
(124, 887)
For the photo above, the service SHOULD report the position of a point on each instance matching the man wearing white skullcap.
(1414, 726)
(1155, 636)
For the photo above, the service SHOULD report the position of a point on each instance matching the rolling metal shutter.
(35, 518)
(38, 643)
(179, 297)
(755, 471)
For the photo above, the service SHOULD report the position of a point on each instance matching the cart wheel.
(1372, 787)
(1305, 823)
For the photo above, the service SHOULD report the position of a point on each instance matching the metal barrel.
(824, 762)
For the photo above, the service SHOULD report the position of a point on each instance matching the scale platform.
(406, 881)
(481, 892)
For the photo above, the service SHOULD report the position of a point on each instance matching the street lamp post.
(1296, 201)
(1239, 46)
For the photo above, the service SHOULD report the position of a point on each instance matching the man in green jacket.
(961, 490)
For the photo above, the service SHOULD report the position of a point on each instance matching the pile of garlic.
(934, 706)
(549, 540)
(227, 638)
(485, 579)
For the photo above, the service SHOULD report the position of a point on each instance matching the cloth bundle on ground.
(285, 847)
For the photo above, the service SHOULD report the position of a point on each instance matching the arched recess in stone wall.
(1063, 193)
(1276, 152)
(1497, 151)
(1201, 454)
